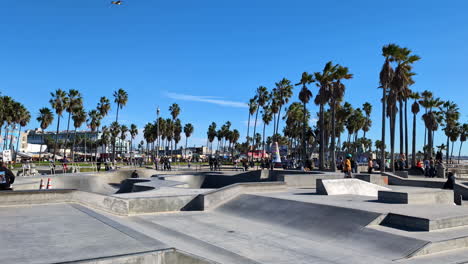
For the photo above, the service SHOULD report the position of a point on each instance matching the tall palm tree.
(386, 76)
(415, 110)
(283, 94)
(103, 107)
(45, 118)
(188, 130)
(337, 90)
(463, 135)
(304, 96)
(177, 132)
(267, 117)
(123, 136)
(133, 133)
(454, 134)
(426, 96)
(211, 134)
(367, 107)
(79, 117)
(74, 102)
(114, 131)
(94, 121)
(253, 106)
(174, 109)
(23, 119)
(451, 115)
(262, 98)
(324, 80)
(431, 121)
(121, 99)
(59, 103)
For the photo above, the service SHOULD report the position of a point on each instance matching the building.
(32, 139)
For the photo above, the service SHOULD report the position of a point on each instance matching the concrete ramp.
(334, 226)
(348, 186)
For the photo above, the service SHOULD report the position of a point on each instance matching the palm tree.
(74, 102)
(415, 110)
(267, 117)
(337, 90)
(211, 134)
(133, 133)
(120, 98)
(123, 136)
(253, 106)
(386, 76)
(59, 103)
(431, 121)
(235, 135)
(262, 98)
(367, 107)
(103, 108)
(283, 93)
(45, 118)
(304, 96)
(177, 132)
(79, 117)
(94, 121)
(426, 97)
(188, 130)
(114, 131)
(148, 134)
(451, 115)
(463, 135)
(324, 80)
(23, 119)
(454, 134)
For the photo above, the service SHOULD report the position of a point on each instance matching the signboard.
(6, 155)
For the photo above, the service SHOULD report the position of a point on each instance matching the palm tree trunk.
(392, 140)
(447, 151)
(382, 157)
(56, 137)
(279, 115)
(73, 147)
(413, 159)
(66, 139)
(425, 133)
(429, 141)
(248, 128)
(186, 139)
(255, 129)
(451, 152)
(263, 141)
(400, 102)
(117, 115)
(322, 139)
(459, 151)
(17, 142)
(332, 151)
(406, 132)
(274, 128)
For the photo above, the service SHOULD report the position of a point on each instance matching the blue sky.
(209, 56)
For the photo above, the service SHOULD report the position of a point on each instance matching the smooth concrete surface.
(417, 196)
(348, 186)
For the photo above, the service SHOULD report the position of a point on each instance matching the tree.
(23, 119)
(45, 118)
(133, 133)
(386, 76)
(253, 106)
(267, 117)
(367, 107)
(463, 135)
(121, 99)
(304, 96)
(74, 103)
(79, 117)
(432, 120)
(324, 80)
(114, 132)
(415, 110)
(282, 95)
(123, 136)
(58, 103)
(337, 90)
(188, 130)
(262, 98)
(94, 121)
(451, 115)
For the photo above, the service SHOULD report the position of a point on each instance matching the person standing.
(347, 167)
(370, 166)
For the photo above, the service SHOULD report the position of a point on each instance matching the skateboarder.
(7, 178)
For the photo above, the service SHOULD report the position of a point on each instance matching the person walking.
(370, 166)
(347, 167)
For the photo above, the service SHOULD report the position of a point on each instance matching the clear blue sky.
(165, 51)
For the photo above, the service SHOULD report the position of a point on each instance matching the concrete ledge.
(308, 180)
(427, 197)
(396, 180)
(373, 178)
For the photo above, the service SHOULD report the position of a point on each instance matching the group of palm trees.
(334, 116)
(224, 135)
(395, 81)
(12, 113)
(71, 102)
(166, 133)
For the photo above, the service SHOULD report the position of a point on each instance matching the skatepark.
(231, 216)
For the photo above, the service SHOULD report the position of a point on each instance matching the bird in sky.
(118, 2)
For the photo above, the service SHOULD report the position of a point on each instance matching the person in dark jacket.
(7, 178)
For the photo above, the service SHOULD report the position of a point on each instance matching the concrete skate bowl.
(330, 226)
(106, 183)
